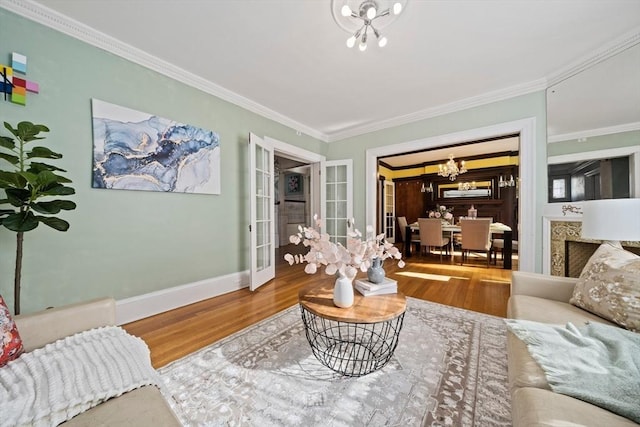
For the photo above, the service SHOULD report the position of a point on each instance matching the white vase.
(343, 292)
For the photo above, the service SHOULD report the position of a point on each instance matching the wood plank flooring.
(176, 333)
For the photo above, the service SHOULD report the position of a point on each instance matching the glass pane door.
(262, 212)
(338, 199)
(389, 206)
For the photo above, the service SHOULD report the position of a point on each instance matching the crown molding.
(627, 127)
(52, 19)
(476, 101)
(605, 52)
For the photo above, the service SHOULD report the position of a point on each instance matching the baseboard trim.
(141, 306)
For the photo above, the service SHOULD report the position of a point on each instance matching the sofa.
(144, 406)
(544, 298)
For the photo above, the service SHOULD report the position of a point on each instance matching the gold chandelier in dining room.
(451, 169)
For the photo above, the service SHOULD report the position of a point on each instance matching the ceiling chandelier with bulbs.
(451, 169)
(366, 19)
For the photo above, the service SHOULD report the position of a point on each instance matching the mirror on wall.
(600, 102)
(589, 180)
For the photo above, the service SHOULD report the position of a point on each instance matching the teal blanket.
(596, 363)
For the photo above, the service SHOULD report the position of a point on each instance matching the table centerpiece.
(442, 212)
(339, 260)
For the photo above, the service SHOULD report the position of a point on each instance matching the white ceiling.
(288, 60)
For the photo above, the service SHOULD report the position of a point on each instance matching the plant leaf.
(18, 196)
(46, 179)
(31, 178)
(53, 222)
(12, 180)
(37, 167)
(27, 131)
(21, 221)
(53, 207)
(14, 160)
(57, 190)
(10, 128)
(26, 128)
(7, 142)
(43, 152)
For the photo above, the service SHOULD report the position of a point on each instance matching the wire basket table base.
(351, 349)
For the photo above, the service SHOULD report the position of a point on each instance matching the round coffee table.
(352, 341)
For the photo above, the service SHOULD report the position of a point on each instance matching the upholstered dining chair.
(476, 236)
(431, 235)
(402, 225)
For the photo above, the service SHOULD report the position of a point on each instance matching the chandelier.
(450, 169)
(365, 19)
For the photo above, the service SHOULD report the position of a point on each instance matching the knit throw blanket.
(597, 363)
(52, 384)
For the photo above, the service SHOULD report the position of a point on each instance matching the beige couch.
(141, 407)
(545, 298)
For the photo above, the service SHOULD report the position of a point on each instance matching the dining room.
(472, 180)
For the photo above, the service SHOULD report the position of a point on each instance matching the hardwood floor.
(176, 333)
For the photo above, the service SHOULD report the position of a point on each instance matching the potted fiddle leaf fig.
(31, 188)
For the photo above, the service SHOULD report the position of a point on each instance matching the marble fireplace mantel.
(563, 222)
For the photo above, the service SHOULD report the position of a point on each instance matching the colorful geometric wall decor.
(15, 88)
(19, 62)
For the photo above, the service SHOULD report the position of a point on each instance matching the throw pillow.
(10, 341)
(609, 286)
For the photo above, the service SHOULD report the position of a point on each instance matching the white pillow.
(609, 286)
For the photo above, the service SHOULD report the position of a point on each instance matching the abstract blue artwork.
(139, 151)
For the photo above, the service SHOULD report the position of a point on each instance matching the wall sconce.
(465, 186)
(502, 183)
(425, 189)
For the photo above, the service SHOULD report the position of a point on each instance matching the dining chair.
(431, 235)
(476, 236)
(402, 224)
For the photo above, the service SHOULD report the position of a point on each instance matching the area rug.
(449, 369)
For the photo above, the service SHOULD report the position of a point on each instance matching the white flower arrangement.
(358, 254)
(442, 212)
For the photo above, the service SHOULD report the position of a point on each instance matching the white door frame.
(528, 229)
(316, 161)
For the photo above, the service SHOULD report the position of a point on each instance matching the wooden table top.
(373, 309)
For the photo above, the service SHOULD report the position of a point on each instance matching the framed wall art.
(133, 150)
(294, 183)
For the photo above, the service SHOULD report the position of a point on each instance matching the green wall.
(124, 243)
(594, 143)
(127, 243)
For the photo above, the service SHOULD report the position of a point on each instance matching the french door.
(338, 184)
(336, 191)
(262, 225)
(389, 210)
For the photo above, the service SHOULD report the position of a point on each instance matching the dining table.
(495, 228)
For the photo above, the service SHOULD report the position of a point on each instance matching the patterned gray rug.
(449, 369)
